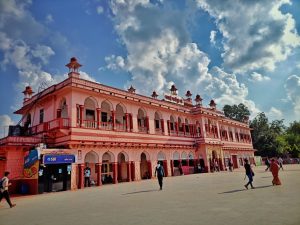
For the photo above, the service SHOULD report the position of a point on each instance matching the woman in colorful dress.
(274, 168)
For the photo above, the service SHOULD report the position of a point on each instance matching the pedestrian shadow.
(138, 192)
(239, 190)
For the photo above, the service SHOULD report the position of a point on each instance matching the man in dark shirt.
(159, 170)
(249, 174)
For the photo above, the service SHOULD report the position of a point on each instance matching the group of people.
(274, 166)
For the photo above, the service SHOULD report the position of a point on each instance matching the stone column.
(126, 122)
(98, 112)
(98, 170)
(81, 176)
(172, 167)
(162, 124)
(113, 117)
(81, 107)
(133, 175)
(129, 171)
(165, 165)
(115, 172)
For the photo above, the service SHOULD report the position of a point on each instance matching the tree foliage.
(273, 139)
(237, 112)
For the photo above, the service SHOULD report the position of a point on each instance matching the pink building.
(120, 135)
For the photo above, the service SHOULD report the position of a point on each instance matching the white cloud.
(257, 77)
(49, 19)
(42, 52)
(292, 87)
(5, 122)
(100, 10)
(212, 37)
(258, 36)
(274, 114)
(160, 53)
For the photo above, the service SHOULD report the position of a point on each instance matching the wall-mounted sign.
(58, 159)
(31, 158)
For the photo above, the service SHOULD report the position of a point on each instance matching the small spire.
(27, 93)
(73, 65)
(173, 90)
(154, 95)
(188, 94)
(131, 90)
(198, 100)
(212, 104)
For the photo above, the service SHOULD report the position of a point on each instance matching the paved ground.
(214, 199)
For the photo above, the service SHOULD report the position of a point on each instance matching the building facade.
(120, 135)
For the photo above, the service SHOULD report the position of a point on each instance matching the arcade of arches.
(114, 167)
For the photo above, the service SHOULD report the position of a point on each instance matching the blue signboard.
(31, 158)
(58, 159)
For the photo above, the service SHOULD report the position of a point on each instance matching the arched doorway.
(120, 117)
(90, 160)
(107, 168)
(122, 167)
(90, 113)
(106, 115)
(161, 158)
(184, 163)
(145, 166)
(141, 120)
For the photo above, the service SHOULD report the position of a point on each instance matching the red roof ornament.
(198, 100)
(154, 94)
(73, 65)
(173, 90)
(212, 104)
(131, 89)
(188, 94)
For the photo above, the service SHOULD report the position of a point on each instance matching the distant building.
(120, 135)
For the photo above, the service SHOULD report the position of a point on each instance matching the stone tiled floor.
(218, 198)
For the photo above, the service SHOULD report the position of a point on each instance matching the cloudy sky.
(231, 51)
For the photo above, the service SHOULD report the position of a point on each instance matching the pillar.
(98, 116)
(130, 122)
(147, 123)
(162, 124)
(115, 172)
(176, 127)
(98, 170)
(113, 117)
(126, 121)
(183, 129)
(129, 171)
(172, 167)
(221, 164)
(132, 170)
(169, 128)
(165, 165)
(149, 164)
(81, 107)
(81, 176)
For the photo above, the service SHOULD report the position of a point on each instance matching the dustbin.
(24, 189)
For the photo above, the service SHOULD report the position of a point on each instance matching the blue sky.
(231, 51)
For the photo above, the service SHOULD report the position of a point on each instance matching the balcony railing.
(158, 131)
(106, 126)
(60, 123)
(120, 127)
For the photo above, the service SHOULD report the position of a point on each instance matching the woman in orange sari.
(274, 168)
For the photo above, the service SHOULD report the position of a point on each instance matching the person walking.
(230, 165)
(274, 168)
(249, 174)
(280, 162)
(87, 176)
(4, 189)
(267, 162)
(159, 171)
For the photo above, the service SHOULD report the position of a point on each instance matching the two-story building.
(120, 135)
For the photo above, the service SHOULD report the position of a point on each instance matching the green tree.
(237, 112)
(264, 135)
(292, 137)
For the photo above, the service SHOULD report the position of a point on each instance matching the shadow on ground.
(138, 192)
(238, 190)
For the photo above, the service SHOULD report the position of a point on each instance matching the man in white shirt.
(4, 189)
(280, 162)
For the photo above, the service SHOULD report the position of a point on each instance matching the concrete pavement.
(217, 199)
